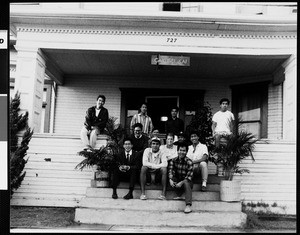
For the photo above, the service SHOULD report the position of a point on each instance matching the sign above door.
(170, 60)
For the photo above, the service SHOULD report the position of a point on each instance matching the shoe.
(161, 197)
(128, 196)
(203, 188)
(178, 198)
(187, 209)
(114, 196)
(143, 197)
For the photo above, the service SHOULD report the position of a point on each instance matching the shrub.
(18, 122)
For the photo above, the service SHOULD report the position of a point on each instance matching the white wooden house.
(63, 55)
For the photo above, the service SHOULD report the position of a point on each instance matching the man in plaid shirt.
(181, 174)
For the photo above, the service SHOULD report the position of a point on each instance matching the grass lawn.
(270, 221)
(28, 216)
(43, 217)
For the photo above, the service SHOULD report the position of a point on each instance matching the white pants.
(202, 169)
(89, 137)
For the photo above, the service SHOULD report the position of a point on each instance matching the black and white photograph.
(151, 117)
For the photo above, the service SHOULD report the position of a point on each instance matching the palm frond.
(236, 148)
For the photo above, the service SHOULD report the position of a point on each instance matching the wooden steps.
(50, 171)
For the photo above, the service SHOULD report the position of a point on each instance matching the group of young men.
(146, 160)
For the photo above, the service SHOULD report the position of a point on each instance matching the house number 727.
(171, 39)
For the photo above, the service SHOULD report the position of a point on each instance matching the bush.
(202, 122)
(17, 153)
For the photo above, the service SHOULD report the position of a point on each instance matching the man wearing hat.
(154, 162)
(198, 153)
(181, 137)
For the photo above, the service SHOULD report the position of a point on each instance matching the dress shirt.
(198, 152)
(145, 120)
(128, 157)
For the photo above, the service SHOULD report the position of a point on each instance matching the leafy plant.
(115, 131)
(18, 122)
(233, 150)
(202, 122)
(104, 158)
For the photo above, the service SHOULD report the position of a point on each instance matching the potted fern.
(102, 160)
(232, 150)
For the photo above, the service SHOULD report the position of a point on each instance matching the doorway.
(159, 107)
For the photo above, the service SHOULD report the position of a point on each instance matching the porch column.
(30, 72)
(289, 99)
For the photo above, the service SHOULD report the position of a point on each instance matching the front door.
(159, 108)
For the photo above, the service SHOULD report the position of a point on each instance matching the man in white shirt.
(198, 153)
(169, 150)
(222, 121)
(154, 162)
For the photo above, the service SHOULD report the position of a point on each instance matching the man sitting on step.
(198, 153)
(129, 163)
(95, 122)
(154, 162)
(181, 174)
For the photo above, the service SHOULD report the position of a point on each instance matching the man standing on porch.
(222, 121)
(144, 119)
(95, 122)
(181, 175)
(174, 125)
(154, 162)
(198, 153)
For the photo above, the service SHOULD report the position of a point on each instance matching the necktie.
(128, 157)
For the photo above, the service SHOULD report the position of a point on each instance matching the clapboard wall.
(272, 176)
(80, 92)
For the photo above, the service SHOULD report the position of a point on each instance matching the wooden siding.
(79, 93)
(272, 176)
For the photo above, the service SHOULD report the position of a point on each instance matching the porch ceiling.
(138, 64)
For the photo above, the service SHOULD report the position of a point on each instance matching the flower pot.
(230, 191)
(100, 178)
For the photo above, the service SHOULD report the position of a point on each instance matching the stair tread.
(155, 204)
(160, 218)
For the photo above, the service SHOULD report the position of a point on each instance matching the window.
(250, 103)
(171, 6)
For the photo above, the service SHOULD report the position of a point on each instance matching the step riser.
(157, 205)
(151, 194)
(127, 217)
(196, 187)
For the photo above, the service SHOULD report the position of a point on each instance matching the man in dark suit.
(129, 162)
(95, 122)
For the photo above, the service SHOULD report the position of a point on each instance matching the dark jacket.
(135, 161)
(174, 126)
(140, 144)
(92, 120)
